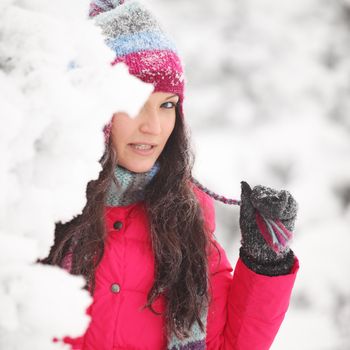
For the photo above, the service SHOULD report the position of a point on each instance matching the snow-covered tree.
(57, 90)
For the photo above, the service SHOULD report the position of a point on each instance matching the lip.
(142, 143)
(143, 152)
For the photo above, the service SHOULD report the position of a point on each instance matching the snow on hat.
(138, 40)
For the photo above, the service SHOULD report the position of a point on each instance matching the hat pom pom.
(99, 6)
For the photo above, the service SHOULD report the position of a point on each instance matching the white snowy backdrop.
(267, 99)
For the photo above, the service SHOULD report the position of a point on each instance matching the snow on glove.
(267, 219)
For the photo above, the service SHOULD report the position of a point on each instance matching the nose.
(150, 121)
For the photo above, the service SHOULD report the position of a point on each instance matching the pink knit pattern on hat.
(107, 129)
(160, 67)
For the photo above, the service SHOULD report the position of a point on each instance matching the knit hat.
(139, 41)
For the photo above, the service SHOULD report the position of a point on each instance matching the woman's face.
(139, 141)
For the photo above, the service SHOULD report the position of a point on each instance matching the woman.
(145, 239)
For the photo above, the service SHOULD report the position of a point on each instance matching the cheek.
(121, 128)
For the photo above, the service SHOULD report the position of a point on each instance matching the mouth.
(142, 148)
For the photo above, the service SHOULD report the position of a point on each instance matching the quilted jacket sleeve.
(247, 308)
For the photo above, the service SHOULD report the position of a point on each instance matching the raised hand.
(267, 219)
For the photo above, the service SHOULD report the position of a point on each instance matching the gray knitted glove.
(267, 219)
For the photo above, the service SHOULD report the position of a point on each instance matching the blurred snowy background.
(267, 99)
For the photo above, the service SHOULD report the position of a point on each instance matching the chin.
(140, 167)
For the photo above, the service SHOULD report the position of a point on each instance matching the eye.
(168, 105)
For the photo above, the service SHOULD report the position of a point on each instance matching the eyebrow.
(168, 98)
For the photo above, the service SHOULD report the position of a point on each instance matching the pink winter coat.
(246, 311)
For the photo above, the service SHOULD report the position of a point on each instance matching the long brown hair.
(180, 239)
